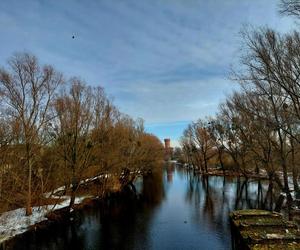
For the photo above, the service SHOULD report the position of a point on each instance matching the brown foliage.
(57, 133)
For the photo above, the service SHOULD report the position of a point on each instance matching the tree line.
(257, 128)
(56, 132)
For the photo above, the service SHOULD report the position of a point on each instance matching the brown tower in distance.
(167, 143)
(168, 149)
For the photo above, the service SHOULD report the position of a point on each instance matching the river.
(178, 211)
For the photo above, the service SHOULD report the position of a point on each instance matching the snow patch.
(16, 222)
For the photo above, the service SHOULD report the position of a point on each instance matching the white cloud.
(177, 101)
(163, 60)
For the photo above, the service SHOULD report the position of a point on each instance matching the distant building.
(167, 143)
(168, 149)
(170, 172)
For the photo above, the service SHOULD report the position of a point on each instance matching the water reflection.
(170, 168)
(212, 198)
(177, 210)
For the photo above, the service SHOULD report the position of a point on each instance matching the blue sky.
(166, 61)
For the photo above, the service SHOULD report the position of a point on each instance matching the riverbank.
(213, 171)
(176, 210)
(230, 173)
(55, 208)
(16, 222)
(60, 217)
(41, 221)
(15, 225)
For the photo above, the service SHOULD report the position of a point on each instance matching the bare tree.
(27, 90)
(217, 134)
(198, 144)
(5, 138)
(232, 133)
(272, 72)
(75, 114)
(50, 138)
(190, 149)
(290, 7)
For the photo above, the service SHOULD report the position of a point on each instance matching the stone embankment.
(259, 229)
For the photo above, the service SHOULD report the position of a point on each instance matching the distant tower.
(167, 143)
(168, 149)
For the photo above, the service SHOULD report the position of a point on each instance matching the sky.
(166, 61)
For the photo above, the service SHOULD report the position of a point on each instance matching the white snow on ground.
(16, 222)
(62, 188)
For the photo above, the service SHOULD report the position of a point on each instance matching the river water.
(178, 211)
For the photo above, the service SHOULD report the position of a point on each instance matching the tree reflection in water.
(126, 223)
(175, 209)
(213, 197)
(121, 223)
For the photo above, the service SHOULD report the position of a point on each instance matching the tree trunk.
(278, 181)
(286, 185)
(205, 163)
(28, 205)
(268, 202)
(294, 169)
(221, 161)
(279, 203)
(295, 180)
(132, 187)
(72, 196)
(1, 180)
